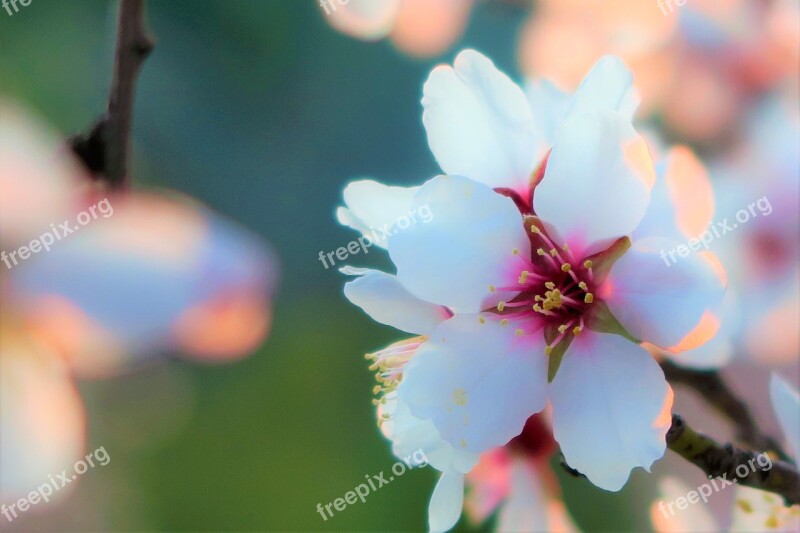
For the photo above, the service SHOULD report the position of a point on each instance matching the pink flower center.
(553, 287)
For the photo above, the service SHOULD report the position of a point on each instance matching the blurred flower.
(154, 274)
(697, 64)
(516, 482)
(538, 272)
(762, 254)
(420, 28)
(751, 509)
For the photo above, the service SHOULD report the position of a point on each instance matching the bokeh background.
(263, 111)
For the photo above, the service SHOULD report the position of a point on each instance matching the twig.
(712, 388)
(728, 462)
(105, 150)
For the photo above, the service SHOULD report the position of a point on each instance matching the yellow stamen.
(588, 298)
(523, 276)
(519, 332)
(548, 350)
(534, 229)
(550, 285)
(540, 251)
(515, 251)
(577, 330)
(587, 263)
(504, 322)
(583, 286)
(501, 306)
(566, 267)
(553, 252)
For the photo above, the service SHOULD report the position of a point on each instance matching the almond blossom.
(529, 250)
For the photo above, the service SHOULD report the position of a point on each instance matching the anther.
(519, 332)
(587, 263)
(566, 267)
(504, 322)
(583, 286)
(501, 306)
(540, 251)
(588, 298)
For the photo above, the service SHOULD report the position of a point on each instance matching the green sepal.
(554, 359)
(600, 319)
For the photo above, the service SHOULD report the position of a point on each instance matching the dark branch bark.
(710, 385)
(105, 150)
(727, 462)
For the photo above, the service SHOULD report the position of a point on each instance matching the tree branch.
(105, 150)
(710, 385)
(728, 462)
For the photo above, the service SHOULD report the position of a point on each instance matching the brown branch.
(710, 385)
(105, 150)
(730, 463)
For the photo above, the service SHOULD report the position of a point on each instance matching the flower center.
(552, 287)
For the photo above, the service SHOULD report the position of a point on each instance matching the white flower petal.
(447, 500)
(411, 435)
(786, 404)
(374, 208)
(611, 408)
(466, 247)
(478, 382)
(607, 86)
(549, 105)
(597, 183)
(479, 123)
(385, 300)
(659, 301)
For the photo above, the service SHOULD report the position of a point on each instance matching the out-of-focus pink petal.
(773, 339)
(146, 275)
(488, 484)
(426, 28)
(42, 422)
(39, 182)
(226, 327)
